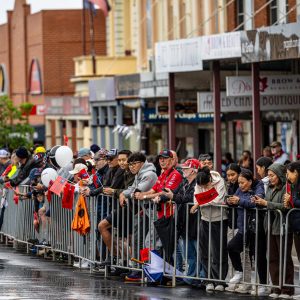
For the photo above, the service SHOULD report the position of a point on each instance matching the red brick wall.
(231, 16)
(62, 40)
(292, 17)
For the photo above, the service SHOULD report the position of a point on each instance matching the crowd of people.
(224, 201)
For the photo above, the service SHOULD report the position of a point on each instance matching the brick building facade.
(53, 38)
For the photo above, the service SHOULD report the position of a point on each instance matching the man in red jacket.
(170, 178)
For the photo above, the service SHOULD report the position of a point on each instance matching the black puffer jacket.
(184, 195)
(24, 171)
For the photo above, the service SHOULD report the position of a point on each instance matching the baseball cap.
(275, 144)
(112, 153)
(165, 153)
(83, 152)
(78, 168)
(4, 153)
(191, 163)
(100, 154)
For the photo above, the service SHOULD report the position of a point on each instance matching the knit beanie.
(264, 162)
(22, 153)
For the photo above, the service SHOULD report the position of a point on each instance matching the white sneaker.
(210, 287)
(84, 264)
(238, 276)
(296, 297)
(219, 288)
(231, 287)
(274, 295)
(261, 291)
(243, 289)
(285, 296)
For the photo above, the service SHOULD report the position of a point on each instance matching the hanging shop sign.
(221, 46)
(271, 43)
(178, 56)
(268, 85)
(102, 89)
(150, 116)
(244, 103)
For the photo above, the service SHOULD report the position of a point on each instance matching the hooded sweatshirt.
(274, 197)
(208, 211)
(144, 180)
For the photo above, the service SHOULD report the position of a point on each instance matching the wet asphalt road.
(25, 276)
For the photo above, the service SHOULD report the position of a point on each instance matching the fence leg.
(27, 248)
(15, 244)
(6, 240)
(53, 257)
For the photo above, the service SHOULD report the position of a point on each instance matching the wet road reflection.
(28, 277)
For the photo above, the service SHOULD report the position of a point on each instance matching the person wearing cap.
(80, 172)
(26, 164)
(4, 160)
(85, 153)
(169, 178)
(279, 156)
(183, 196)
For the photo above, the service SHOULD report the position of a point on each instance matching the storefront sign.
(219, 46)
(178, 56)
(102, 89)
(182, 107)
(127, 85)
(150, 116)
(268, 85)
(271, 43)
(154, 85)
(244, 103)
(3, 80)
(35, 83)
(67, 106)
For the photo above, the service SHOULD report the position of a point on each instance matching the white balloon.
(63, 156)
(48, 175)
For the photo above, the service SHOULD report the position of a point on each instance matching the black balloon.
(52, 156)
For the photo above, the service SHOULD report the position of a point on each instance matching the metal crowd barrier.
(133, 229)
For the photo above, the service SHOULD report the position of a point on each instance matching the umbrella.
(165, 228)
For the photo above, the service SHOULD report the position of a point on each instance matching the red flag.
(289, 190)
(206, 197)
(144, 254)
(68, 196)
(58, 185)
(7, 170)
(66, 140)
(49, 193)
(103, 5)
(7, 185)
(16, 197)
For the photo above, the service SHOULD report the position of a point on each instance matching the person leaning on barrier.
(169, 178)
(183, 196)
(232, 173)
(26, 164)
(292, 200)
(248, 187)
(274, 200)
(208, 180)
(128, 177)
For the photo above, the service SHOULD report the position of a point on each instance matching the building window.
(240, 14)
(273, 12)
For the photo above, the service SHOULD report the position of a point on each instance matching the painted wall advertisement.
(271, 43)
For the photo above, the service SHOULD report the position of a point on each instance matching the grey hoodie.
(209, 212)
(144, 180)
(274, 197)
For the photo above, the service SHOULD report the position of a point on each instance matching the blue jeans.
(192, 250)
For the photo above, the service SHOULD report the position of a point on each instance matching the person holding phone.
(274, 200)
(243, 198)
